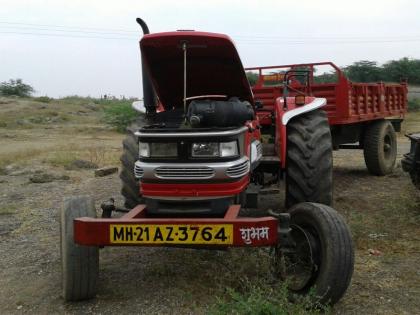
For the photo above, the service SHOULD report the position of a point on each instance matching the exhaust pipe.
(149, 96)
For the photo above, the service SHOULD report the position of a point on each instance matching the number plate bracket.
(136, 229)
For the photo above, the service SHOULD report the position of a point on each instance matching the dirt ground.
(383, 214)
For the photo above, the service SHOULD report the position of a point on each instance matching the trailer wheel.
(130, 185)
(80, 264)
(321, 259)
(309, 159)
(380, 147)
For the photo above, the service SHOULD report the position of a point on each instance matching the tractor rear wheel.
(130, 185)
(380, 147)
(309, 159)
(80, 264)
(321, 257)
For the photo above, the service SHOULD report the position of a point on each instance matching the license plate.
(214, 234)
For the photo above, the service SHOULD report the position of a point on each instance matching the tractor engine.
(209, 113)
(198, 164)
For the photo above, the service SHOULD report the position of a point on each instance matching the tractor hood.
(213, 66)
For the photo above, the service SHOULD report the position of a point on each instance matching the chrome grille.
(184, 172)
(238, 170)
(138, 171)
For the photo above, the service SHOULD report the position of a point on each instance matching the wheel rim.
(299, 266)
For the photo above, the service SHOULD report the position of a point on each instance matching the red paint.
(194, 190)
(95, 231)
(213, 66)
(347, 102)
(281, 130)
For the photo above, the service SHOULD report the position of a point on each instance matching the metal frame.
(193, 134)
(347, 102)
(246, 231)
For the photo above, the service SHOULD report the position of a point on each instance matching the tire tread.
(130, 185)
(309, 159)
(336, 273)
(372, 144)
(80, 264)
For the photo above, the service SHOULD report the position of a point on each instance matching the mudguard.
(285, 114)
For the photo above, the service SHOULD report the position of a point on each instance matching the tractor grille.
(184, 172)
(238, 170)
(138, 171)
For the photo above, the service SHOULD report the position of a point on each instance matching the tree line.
(391, 71)
(370, 71)
(360, 71)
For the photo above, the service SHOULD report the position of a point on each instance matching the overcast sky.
(91, 47)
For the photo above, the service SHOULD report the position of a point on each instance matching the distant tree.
(364, 71)
(326, 77)
(16, 88)
(252, 77)
(405, 68)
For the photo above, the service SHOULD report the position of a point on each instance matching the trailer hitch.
(109, 206)
(283, 230)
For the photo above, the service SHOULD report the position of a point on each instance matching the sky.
(90, 47)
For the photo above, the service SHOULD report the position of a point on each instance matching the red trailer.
(361, 115)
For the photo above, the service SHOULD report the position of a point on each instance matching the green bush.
(265, 299)
(118, 113)
(16, 88)
(414, 105)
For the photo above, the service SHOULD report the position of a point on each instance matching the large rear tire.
(130, 189)
(80, 264)
(309, 159)
(380, 147)
(322, 258)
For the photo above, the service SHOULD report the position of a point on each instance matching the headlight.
(209, 149)
(228, 148)
(157, 149)
(144, 149)
(214, 149)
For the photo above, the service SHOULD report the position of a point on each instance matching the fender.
(283, 116)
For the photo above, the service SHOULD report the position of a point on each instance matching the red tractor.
(200, 155)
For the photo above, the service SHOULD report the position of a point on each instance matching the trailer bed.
(347, 102)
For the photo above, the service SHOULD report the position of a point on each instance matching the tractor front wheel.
(380, 147)
(309, 159)
(80, 264)
(320, 258)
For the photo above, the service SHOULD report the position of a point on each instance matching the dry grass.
(8, 209)
(383, 213)
(29, 114)
(65, 156)
(411, 123)
(19, 157)
(56, 133)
